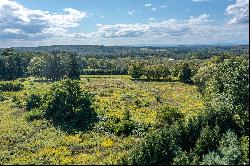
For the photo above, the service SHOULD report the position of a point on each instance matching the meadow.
(115, 96)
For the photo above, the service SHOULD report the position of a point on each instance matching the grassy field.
(39, 142)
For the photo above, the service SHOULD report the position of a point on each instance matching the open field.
(39, 142)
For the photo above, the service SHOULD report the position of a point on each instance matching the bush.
(34, 114)
(33, 101)
(136, 70)
(117, 126)
(10, 86)
(68, 106)
(159, 147)
(185, 73)
(244, 142)
(207, 141)
(167, 116)
(228, 153)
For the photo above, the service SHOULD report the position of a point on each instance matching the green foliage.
(34, 114)
(185, 73)
(229, 152)
(10, 86)
(33, 101)
(119, 126)
(69, 106)
(36, 66)
(12, 64)
(244, 142)
(214, 134)
(228, 89)
(54, 68)
(207, 141)
(135, 70)
(155, 72)
(73, 71)
(158, 147)
(167, 116)
(182, 158)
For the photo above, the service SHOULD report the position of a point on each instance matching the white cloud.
(153, 9)
(12, 31)
(27, 23)
(170, 27)
(239, 11)
(102, 16)
(147, 5)
(151, 19)
(163, 6)
(131, 12)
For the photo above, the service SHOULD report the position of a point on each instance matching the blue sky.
(123, 22)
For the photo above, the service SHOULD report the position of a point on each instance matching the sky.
(123, 22)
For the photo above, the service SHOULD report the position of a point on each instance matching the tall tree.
(73, 70)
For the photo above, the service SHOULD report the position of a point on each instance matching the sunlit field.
(39, 142)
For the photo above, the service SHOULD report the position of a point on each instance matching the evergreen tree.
(73, 71)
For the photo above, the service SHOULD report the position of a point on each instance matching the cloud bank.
(239, 11)
(18, 22)
(20, 25)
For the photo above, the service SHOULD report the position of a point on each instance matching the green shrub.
(33, 101)
(68, 106)
(2, 98)
(10, 86)
(182, 158)
(244, 142)
(159, 147)
(118, 126)
(136, 70)
(34, 114)
(185, 73)
(207, 141)
(198, 136)
(229, 152)
(167, 116)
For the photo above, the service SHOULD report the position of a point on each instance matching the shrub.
(244, 142)
(182, 158)
(68, 106)
(33, 101)
(167, 116)
(159, 147)
(207, 141)
(228, 153)
(117, 126)
(136, 70)
(185, 73)
(35, 114)
(10, 86)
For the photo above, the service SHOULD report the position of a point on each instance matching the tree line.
(53, 66)
(183, 70)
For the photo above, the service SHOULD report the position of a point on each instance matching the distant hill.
(176, 52)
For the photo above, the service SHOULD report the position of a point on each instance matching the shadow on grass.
(78, 122)
(154, 80)
(42, 81)
(162, 80)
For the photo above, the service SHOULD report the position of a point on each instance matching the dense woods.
(125, 105)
